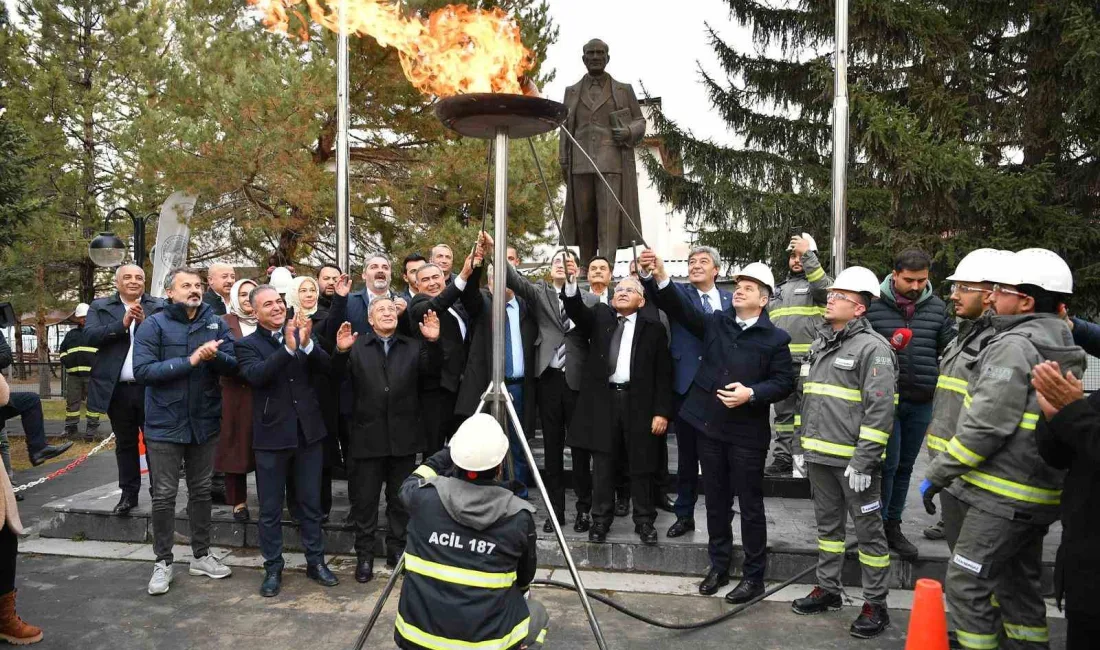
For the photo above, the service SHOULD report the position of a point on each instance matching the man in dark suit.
(745, 368)
(441, 387)
(410, 265)
(114, 390)
(625, 400)
(279, 360)
(519, 356)
(385, 369)
(687, 353)
(220, 279)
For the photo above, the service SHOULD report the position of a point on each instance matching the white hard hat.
(808, 237)
(976, 266)
(81, 310)
(1003, 268)
(1044, 269)
(757, 271)
(479, 444)
(857, 278)
(280, 279)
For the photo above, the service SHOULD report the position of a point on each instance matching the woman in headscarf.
(234, 454)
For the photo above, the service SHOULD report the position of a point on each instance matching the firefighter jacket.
(77, 354)
(994, 453)
(848, 383)
(469, 558)
(956, 367)
(798, 306)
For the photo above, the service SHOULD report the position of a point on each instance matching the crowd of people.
(302, 380)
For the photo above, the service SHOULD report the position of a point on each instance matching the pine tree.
(972, 124)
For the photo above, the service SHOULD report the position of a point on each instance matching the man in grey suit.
(558, 364)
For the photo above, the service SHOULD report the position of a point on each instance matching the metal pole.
(500, 277)
(343, 157)
(840, 140)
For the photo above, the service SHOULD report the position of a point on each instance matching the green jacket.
(848, 397)
(798, 306)
(994, 453)
(956, 367)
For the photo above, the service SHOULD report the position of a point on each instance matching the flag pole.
(343, 157)
(840, 140)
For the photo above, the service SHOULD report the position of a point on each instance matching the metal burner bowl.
(481, 115)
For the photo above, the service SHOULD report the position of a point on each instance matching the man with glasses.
(847, 412)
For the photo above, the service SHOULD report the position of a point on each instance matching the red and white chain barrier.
(71, 466)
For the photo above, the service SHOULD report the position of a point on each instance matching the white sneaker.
(209, 566)
(162, 578)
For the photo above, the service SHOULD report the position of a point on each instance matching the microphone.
(900, 338)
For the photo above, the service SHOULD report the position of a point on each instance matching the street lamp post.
(108, 250)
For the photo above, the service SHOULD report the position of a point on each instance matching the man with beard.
(178, 355)
(377, 276)
(326, 281)
(908, 308)
(220, 279)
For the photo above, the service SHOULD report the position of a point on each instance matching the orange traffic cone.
(141, 452)
(928, 621)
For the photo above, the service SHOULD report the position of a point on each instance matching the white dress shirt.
(626, 344)
(746, 324)
(715, 297)
(512, 309)
(459, 282)
(127, 373)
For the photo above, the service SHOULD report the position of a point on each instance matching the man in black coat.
(625, 400)
(1069, 438)
(909, 308)
(386, 370)
(279, 361)
(519, 349)
(440, 394)
(745, 367)
(220, 279)
(110, 327)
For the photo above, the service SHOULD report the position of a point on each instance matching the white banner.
(173, 236)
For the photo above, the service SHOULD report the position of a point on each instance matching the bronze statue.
(605, 118)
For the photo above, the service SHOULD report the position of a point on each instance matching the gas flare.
(455, 50)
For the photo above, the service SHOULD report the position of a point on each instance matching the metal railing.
(46, 379)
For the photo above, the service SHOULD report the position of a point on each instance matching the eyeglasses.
(959, 287)
(1012, 292)
(836, 295)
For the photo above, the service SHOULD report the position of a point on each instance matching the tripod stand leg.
(385, 595)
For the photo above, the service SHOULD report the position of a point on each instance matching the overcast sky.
(653, 42)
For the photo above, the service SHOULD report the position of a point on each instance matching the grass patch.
(54, 409)
(21, 461)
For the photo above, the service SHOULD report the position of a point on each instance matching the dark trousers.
(325, 487)
(272, 469)
(687, 464)
(911, 421)
(365, 479)
(127, 414)
(28, 406)
(606, 465)
(164, 474)
(556, 404)
(236, 488)
(730, 470)
(1083, 631)
(9, 551)
(438, 409)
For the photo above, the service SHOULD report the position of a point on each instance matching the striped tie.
(559, 354)
(707, 308)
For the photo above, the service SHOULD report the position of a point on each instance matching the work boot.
(935, 531)
(818, 602)
(13, 629)
(779, 467)
(72, 431)
(91, 433)
(48, 452)
(871, 622)
(897, 542)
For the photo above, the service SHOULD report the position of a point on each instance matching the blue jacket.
(757, 357)
(686, 348)
(1087, 335)
(183, 403)
(283, 397)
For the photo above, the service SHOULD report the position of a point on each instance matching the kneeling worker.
(470, 555)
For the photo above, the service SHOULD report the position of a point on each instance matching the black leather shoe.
(583, 522)
(622, 507)
(818, 602)
(665, 503)
(125, 504)
(648, 534)
(598, 533)
(273, 582)
(391, 557)
(321, 574)
(779, 468)
(871, 622)
(745, 591)
(548, 526)
(681, 527)
(242, 514)
(48, 452)
(714, 581)
(364, 570)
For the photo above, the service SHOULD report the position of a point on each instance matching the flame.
(455, 50)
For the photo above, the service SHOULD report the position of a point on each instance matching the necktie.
(594, 91)
(616, 343)
(278, 336)
(707, 307)
(386, 346)
(509, 370)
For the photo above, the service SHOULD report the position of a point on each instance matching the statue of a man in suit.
(605, 118)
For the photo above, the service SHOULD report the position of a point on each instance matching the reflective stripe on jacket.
(994, 454)
(848, 397)
(958, 363)
(77, 353)
(798, 306)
